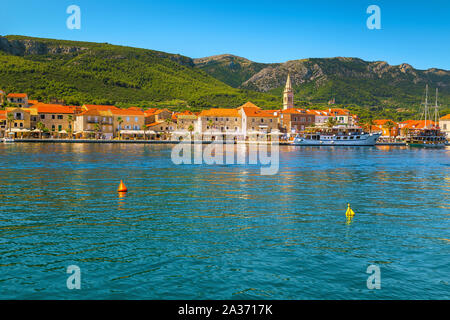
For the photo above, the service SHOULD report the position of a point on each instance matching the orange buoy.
(122, 187)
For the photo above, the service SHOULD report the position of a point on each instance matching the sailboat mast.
(426, 104)
(436, 113)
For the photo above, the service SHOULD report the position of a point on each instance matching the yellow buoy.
(122, 187)
(349, 213)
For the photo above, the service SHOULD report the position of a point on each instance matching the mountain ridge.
(93, 72)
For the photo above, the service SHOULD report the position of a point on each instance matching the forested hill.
(347, 80)
(84, 72)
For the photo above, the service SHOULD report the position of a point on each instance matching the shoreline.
(281, 143)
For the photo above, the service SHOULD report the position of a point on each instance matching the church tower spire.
(288, 94)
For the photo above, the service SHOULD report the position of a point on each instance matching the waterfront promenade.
(286, 143)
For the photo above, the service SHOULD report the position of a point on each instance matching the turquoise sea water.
(223, 231)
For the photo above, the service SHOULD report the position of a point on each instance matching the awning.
(276, 133)
(63, 132)
(19, 130)
(132, 132)
(214, 133)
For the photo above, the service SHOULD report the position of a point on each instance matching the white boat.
(8, 140)
(337, 136)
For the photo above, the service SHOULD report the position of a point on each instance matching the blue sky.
(415, 32)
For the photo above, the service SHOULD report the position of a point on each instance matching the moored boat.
(8, 140)
(337, 136)
(430, 136)
(427, 138)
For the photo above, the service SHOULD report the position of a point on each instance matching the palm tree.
(368, 124)
(406, 132)
(70, 120)
(10, 120)
(97, 130)
(331, 122)
(119, 121)
(388, 126)
(41, 128)
(190, 129)
(168, 122)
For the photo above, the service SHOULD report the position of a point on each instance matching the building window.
(53, 116)
(135, 119)
(53, 127)
(59, 127)
(60, 117)
(42, 116)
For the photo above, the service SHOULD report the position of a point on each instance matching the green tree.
(388, 126)
(368, 124)
(331, 122)
(10, 120)
(97, 130)
(168, 122)
(41, 128)
(120, 121)
(70, 123)
(190, 129)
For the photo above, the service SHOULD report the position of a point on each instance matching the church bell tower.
(288, 94)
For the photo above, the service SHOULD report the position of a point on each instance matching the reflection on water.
(221, 232)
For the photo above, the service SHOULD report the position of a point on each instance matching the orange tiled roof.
(382, 122)
(17, 95)
(184, 113)
(249, 105)
(317, 112)
(99, 107)
(134, 108)
(2, 114)
(52, 108)
(154, 124)
(150, 111)
(220, 112)
(339, 112)
(447, 117)
(127, 112)
(417, 124)
(95, 112)
(33, 101)
(296, 111)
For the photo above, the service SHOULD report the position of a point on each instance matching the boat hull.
(427, 145)
(366, 140)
